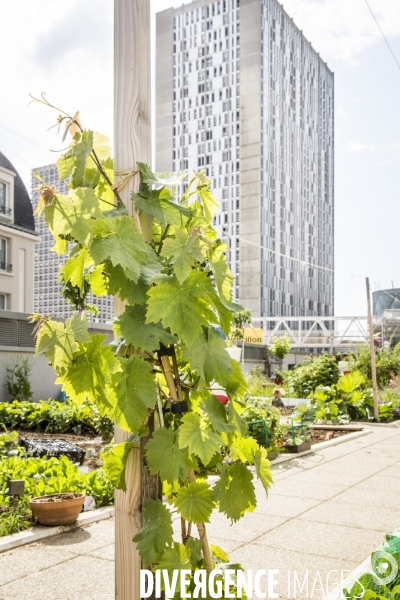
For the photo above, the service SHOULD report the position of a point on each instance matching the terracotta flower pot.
(57, 509)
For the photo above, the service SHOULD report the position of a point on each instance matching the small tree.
(240, 319)
(18, 379)
(280, 347)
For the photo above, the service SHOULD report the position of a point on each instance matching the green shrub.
(56, 417)
(387, 364)
(339, 403)
(304, 379)
(18, 378)
(258, 384)
(263, 424)
(15, 519)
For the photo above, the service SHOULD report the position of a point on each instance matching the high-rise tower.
(241, 93)
(48, 298)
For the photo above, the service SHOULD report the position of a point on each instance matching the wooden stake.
(132, 131)
(372, 351)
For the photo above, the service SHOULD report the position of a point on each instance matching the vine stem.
(176, 396)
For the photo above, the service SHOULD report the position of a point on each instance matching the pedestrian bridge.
(342, 333)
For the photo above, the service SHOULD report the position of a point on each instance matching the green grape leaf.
(183, 308)
(75, 266)
(116, 282)
(73, 215)
(222, 274)
(146, 336)
(74, 160)
(234, 491)
(225, 312)
(195, 548)
(159, 179)
(216, 414)
(59, 341)
(210, 205)
(176, 558)
(136, 392)
(199, 437)
(156, 533)
(160, 204)
(235, 418)
(88, 374)
(101, 145)
(97, 281)
(183, 250)
(237, 385)
(165, 457)
(243, 449)
(120, 241)
(194, 502)
(208, 356)
(263, 468)
(114, 463)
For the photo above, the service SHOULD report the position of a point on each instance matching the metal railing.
(5, 267)
(4, 210)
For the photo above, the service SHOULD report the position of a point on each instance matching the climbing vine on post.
(167, 356)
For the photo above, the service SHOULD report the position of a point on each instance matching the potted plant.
(272, 453)
(57, 509)
(298, 444)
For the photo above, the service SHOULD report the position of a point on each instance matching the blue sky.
(65, 50)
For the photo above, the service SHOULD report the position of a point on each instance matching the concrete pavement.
(326, 511)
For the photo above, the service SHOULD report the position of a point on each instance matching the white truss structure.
(315, 332)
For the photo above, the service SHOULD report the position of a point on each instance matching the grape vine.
(168, 358)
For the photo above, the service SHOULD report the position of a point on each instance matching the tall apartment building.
(241, 93)
(47, 288)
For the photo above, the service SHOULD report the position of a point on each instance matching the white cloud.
(354, 147)
(340, 29)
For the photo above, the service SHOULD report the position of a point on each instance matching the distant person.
(277, 399)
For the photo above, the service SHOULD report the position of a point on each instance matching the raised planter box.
(300, 448)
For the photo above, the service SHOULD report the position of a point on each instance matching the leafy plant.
(178, 289)
(56, 417)
(18, 378)
(50, 476)
(379, 584)
(263, 423)
(385, 411)
(313, 372)
(14, 519)
(347, 400)
(258, 384)
(387, 364)
(9, 444)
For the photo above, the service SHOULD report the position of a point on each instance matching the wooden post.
(372, 350)
(132, 133)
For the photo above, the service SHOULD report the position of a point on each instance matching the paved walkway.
(326, 511)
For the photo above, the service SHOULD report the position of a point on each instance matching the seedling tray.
(53, 447)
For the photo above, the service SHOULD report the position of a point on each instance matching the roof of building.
(23, 211)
